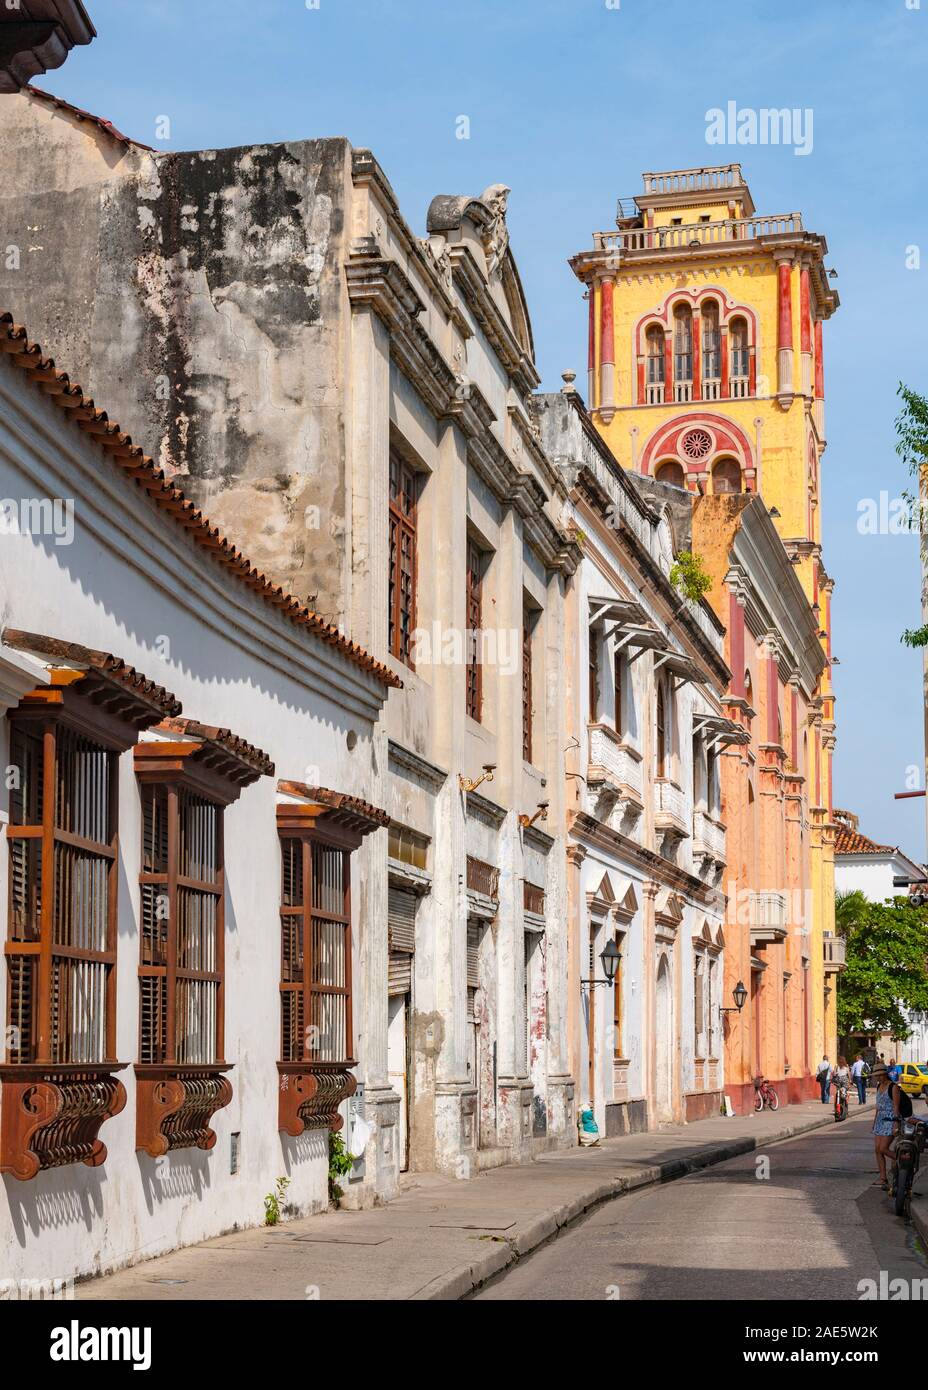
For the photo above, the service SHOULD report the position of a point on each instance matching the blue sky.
(568, 103)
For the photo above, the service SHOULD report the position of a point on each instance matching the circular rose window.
(696, 444)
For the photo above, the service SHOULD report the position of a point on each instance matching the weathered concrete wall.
(198, 297)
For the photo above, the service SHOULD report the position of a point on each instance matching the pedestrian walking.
(823, 1077)
(894, 1069)
(859, 1073)
(885, 1119)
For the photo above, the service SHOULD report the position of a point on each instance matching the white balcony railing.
(669, 801)
(738, 388)
(708, 836)
(611, 757)
(835, 953)
(711, 389)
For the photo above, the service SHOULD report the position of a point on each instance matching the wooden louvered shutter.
(401, 918)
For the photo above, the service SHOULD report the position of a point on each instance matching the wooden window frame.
(176, 1098)
(404, 503)
(311, 1088)
(53, 1105)
(474, 626)
(527, 684)
(593, 674)
(661, 739)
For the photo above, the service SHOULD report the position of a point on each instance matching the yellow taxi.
(914, 1078)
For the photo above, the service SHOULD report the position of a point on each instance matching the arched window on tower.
(654, 378)
(726, 476)
(739, 354)
(683, 353)
(711, 351)
(671, 472)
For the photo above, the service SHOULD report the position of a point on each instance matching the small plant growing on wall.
(273, 1202)
(688, 575)
(340, 1161)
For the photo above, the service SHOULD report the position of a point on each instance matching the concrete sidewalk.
(441, 1238)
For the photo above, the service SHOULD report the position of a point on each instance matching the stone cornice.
(408, 764)
(366, 171)
(594, 833)
(376, 281)
(538, 839)
(476, 294)
(381, 284)
(483, 809)
(659, 581)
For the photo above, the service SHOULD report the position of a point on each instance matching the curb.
(920, 1218)
(548, 1225)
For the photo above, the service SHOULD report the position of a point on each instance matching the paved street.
(442, 1238)
(811, 1231)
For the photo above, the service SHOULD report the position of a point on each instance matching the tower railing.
(698, 233)
(697, 180)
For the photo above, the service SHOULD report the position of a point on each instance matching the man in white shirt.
(823, 1077)
(859, 1073)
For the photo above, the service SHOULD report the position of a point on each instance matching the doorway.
(664, 1026)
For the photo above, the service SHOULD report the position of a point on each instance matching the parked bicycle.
(907, 1150)
(765, 1097)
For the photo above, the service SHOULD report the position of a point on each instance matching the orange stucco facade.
(706, 372)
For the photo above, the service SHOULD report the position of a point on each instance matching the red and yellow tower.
(705, 370)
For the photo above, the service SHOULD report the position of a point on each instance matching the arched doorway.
(664, 1040)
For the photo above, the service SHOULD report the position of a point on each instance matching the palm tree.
(850, 908)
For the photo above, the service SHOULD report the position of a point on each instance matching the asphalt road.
(811, 1229)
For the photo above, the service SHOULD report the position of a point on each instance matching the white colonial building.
(183, 908)
(646, 845)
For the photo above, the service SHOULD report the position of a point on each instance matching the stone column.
(784, 324)
(805, 328)
(819, 402)
(591, 351)
(514, 1085)
(607, 351)
(366, 541)
(559, 917)
(455, 1129)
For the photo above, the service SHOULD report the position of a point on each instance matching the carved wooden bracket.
(310, 1094)
(51, 1116)
(174, 1106)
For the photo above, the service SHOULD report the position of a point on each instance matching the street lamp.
(740, 996)
(610, 957)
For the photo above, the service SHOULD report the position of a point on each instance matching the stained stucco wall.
(198, 297)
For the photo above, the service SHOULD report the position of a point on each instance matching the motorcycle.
(907, 1150)
(840, 1102)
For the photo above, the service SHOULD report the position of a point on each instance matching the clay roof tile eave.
(28, 356)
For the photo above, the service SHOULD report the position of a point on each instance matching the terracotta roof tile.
(81, 115)
(59, 654)
(852, 842)
(245, 752)
(135, 464)
(336, 801)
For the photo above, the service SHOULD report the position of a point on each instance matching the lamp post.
(610, 956)
(740, 995)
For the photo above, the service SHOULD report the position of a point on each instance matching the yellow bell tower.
(705, 370)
